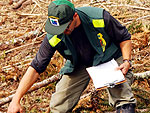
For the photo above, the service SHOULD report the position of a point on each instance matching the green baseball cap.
(60, 12)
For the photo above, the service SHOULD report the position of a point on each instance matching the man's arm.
(38, 66)
(27, 81)
(121, 37)
(126, 49)
(126, 53)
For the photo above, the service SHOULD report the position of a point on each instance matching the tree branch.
(36, 86)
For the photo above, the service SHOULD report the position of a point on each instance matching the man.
(85, 36)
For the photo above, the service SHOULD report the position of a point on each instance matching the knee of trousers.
(58, 106)
(121, 94)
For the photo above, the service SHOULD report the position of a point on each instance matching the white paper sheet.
(105, 74)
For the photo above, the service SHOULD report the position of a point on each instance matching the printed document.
(106, 75)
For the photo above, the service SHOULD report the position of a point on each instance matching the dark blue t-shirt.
(85, 52)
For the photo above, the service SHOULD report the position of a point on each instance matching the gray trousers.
(70, 88)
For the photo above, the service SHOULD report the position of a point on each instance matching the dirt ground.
(22, 31)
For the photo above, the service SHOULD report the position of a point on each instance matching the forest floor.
(22, 31)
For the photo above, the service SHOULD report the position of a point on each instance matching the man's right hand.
(14, 108)
(26, 82)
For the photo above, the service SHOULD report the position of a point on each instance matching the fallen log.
(143, 17)
(19, 4)
(56, 77)
(142, 75)
(24, 36)
(23, 3)
(135, 7)
(36, 86)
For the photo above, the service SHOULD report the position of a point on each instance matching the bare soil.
(22, 31)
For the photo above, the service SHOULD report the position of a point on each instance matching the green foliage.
(135, 27)
(142, 97)
(128, 1)
(3, 78)
(3, 55)
(39, 100)
(13, 41)
(148, 27)
(34, 110)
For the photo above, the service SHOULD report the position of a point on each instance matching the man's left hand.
(124, 67)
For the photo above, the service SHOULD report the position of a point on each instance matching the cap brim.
(55, 30)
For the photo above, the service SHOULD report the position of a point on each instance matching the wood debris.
(22, 31)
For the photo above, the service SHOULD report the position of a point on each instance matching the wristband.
(129, 61)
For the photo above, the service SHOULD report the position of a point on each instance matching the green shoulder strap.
(98, 12)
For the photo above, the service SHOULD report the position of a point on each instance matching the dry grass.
(22, 31)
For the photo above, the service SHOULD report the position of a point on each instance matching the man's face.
(70, 27)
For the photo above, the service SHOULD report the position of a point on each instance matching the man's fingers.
(119, 67)
(21, 110)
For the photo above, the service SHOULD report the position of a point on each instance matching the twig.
(20, 66)
(142, 75)
(21, 47)
(44, 2)
(16, 6)
(138, 2)
(139, 89)
(125, 16)
(136, 7)
(33, 8)
(87, 94)
(137, 19)
(143, 110)
(36, 86)
(36, 32)
(104, 7)
(19, 63)
(98, 3)
(38, 5)
(27, 14)
(39, 32)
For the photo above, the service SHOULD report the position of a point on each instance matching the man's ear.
(75, 14)
(76, 19)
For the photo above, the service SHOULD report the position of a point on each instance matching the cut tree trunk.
(19, 4)
(36, 86)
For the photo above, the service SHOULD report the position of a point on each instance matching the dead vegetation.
(22, 30)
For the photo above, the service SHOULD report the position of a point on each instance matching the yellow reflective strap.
(53, 17)
(54, 41)
(98, 23)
